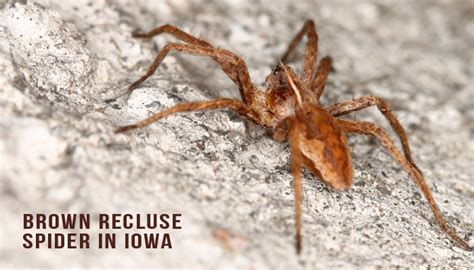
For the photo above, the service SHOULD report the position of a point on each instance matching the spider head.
(286, 92)
(278, 79)
(284, 82)
(281, 98)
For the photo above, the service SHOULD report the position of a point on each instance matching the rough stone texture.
(65, 66)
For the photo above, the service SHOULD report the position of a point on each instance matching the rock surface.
(65, 67)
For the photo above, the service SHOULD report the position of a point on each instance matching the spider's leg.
(174, 31)
(233, 104)
(368, 128)
(281, 131)
(311, 53)
(232, 65)
(296, 166)
(162, 54)
(360, 103)
(319, 81)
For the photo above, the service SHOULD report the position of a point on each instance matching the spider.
(290, 109)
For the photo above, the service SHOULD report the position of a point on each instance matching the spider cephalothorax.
(290, 108)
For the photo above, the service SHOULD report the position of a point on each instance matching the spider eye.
(276, 70)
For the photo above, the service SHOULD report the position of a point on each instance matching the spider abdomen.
(323, 145)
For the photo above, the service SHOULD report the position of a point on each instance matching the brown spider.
(290, 108)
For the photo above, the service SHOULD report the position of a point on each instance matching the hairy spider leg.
(296, 161)
(311, 52)
(233, 104)
(174, 31)
(231, 64)
(368, 128)
(360, 103)
(321, 77)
